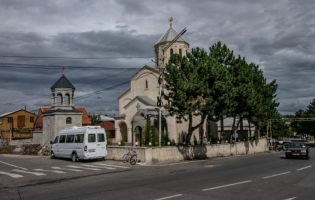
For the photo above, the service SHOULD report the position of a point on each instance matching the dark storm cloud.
(277, 35)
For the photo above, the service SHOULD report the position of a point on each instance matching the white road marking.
(277, 175)
(290, 198)
(210, 166)
(13, 165)
(72, 166)
(12, 175)
(175, 163)
(55, 171)
(111, 165)
(94, 166)
(227, 185)
(177, 195)
(74, 170)
(304, 168)
(27, 172)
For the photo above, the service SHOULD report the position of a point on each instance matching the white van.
(88, 142)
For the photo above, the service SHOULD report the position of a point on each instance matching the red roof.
(107, 125)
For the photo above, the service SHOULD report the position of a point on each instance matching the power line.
(96, 92)
(129, 69)
(68, 67)
(62, 57)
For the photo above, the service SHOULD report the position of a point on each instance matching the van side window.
(79, 138)
(91, 138)
(62, 139)
(56, 140)
(100, 138)
(69, 138)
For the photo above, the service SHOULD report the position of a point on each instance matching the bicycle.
(130, 157)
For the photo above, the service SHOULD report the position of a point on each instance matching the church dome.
(169, 36)
(63, 82)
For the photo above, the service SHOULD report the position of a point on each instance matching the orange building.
(20, 122)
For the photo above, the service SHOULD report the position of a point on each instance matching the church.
(139, 103)
(61, 115)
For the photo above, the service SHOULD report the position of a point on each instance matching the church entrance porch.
(138, 134)
(123, 131)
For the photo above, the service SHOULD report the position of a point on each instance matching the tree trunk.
(222, 128)
(232, 132)
(192, 128)
(249, 129)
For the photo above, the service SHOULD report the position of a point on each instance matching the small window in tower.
(180, 51)
(146, 84)
(171, 52)
(68, 120)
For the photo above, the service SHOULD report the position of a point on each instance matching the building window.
(180, 51)
(68, 120)
(146, 84)
(171, 52)
(9, 119)
(32, 120)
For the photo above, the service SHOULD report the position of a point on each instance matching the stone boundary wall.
(154, 155)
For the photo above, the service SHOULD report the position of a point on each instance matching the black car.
(297, 150)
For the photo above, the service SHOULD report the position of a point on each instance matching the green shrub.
(109, 138)
(122, 142)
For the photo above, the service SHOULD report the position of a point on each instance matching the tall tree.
(226, 91)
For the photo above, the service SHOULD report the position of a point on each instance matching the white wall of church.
(138, 84)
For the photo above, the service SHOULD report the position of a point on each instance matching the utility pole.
(161, 79)
(271, 137)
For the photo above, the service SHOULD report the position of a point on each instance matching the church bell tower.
(179, 47)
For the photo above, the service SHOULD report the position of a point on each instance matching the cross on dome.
(170, 20)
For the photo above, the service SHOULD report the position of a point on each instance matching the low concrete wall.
(154, 155)
(117, 152)
(38, 137)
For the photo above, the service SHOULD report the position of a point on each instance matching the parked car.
(297, 150)
(285, 146)
(84, 143)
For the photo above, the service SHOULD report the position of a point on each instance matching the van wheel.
(52, 155)
(74, 157)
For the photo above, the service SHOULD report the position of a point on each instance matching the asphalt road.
(260, 176)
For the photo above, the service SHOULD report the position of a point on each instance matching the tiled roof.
(169, 35)
(63, 82)
(143, 99)
(8, 113)
(85, 118)
(108, 126)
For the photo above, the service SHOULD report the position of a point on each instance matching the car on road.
(80, 143)
(298, 150)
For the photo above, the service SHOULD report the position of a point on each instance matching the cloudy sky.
(277, 35)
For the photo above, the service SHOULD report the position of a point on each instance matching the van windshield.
(79, 138)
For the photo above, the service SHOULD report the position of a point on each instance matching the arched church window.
(68, 99)
(59, 99)
(68, 120)
(171, 52)
(146, 84)
(180, 51)
(54, 102)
